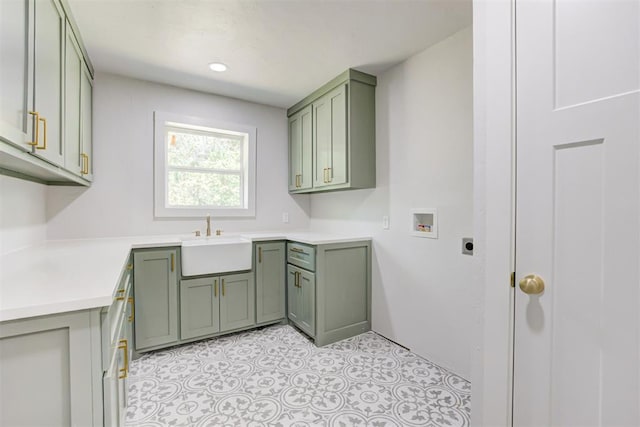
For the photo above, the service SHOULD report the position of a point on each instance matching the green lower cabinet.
(301, 287)
(211, 305)
(199, 307)
(329, 289)
(155, 282)
(237, 302)
(270, 282)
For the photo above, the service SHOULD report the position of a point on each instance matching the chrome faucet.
(208, 225)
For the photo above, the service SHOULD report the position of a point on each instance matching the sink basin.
(211, 255)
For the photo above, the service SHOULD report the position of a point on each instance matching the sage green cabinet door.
(110, 398)
(270, 281)
(86, 123)
(155, 284)
(49, 45)
(199, 307)
(330, 136)
(302, 306)
(237, 302)
(73, 73)
(300, 146)
(307, 288)
(16, 72)
(293, 296)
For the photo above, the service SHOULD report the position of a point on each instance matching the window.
(203, 167)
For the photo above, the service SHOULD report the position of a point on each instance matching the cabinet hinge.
(513, 279)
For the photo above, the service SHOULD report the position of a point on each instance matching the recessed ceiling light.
(218, 66)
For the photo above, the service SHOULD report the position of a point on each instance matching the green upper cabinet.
(77, 109)
(330, 136)
(73, 75)
(43, 108)
(16, 72)
(49, 45)
(300, 146)
(342, 135)
(270, 281)
(86, 123)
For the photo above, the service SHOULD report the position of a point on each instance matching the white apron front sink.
(211, 255)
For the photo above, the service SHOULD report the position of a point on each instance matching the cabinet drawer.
(303, 256)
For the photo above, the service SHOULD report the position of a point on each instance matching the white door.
(576, 354)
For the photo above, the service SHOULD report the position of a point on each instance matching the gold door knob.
(532, 284)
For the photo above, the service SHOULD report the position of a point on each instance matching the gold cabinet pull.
(36, 121)
(133, 309)
(329, 177)
(215, 289)
(85, 164)
(260, 254)
(173, 262)
(123, 345)
(297, 279)
(222, 287)
(129, 266)
(298, 250)
(44, 139)
(120, 295)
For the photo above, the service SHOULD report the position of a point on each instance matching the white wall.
(22, 213)
(120, 201)
(421, 287)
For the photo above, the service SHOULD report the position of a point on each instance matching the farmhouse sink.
(211, 255)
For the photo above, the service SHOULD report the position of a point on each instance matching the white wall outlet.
(285, 217)
(385, 222)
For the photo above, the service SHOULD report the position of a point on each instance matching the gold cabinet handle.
(324, 175)
(85, 164)
(329, 177)
(44, 139)
(120, 295)
(129, 266)
(123, 345)
(36, 121)
(298, 250)
(215, 289)
(222, 287)
(133, 309)
(297, 282)
(173, 262)
(260, 254)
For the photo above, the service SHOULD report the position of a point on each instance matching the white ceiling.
(277, 51)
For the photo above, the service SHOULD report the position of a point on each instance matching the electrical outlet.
(385, 222)
(285, 217)
(467, 245)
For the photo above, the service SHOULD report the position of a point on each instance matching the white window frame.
(162, 121)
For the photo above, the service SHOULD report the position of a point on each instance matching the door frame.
(494, 132)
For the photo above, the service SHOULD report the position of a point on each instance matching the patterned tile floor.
(276, 377)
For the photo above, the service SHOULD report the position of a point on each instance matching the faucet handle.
(219, 232)
(197, 233)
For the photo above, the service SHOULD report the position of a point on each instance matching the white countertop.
(69, 275)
